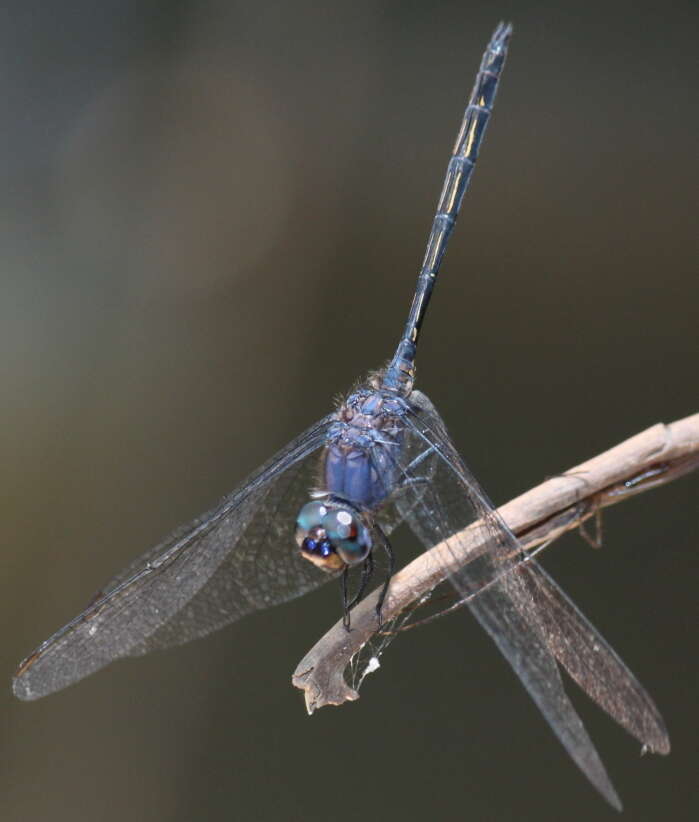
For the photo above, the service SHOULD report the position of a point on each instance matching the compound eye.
(348, 534)
(310, 517)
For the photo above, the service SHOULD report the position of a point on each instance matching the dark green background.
(212, 216)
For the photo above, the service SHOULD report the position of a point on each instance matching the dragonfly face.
(332, 534)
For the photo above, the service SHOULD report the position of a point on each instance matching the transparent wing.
(235, 559)
(506, 608)
(592, 663)
(572, 639)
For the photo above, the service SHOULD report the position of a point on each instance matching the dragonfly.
(329, 502)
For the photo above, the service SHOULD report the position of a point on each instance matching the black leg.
(345, 604)
(391, 569)
(367, 571)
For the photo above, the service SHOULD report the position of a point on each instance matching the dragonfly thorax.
(363, 445)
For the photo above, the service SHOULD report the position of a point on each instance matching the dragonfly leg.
(367, 571)
(345, 599)
(347, 603)
(391, 569)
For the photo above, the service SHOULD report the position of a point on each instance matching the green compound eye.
(348, 535)
(311, 516)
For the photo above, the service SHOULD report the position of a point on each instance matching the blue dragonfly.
(382, 458)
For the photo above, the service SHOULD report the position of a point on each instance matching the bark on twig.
(654, 457)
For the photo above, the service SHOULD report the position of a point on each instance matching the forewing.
(238, 558)
(505, 607)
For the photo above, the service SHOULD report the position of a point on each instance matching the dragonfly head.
(332, 534)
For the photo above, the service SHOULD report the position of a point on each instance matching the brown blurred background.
(212, 216)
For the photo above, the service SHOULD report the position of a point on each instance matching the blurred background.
(212, 217)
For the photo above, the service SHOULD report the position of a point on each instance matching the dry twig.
(654, 457)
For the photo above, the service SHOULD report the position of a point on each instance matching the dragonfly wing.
(506, 608)
(592, 663)
(238, 558)
(575, 642)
